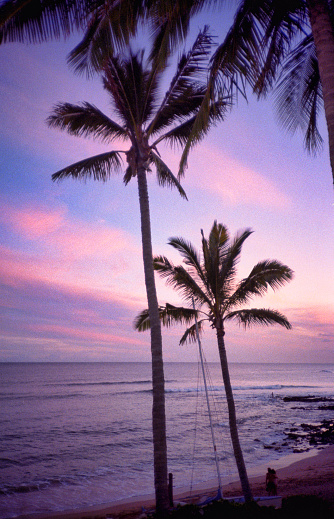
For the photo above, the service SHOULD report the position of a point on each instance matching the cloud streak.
(233, 181)
(52, 245)
(64, 279)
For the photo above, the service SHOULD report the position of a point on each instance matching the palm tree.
(209, 279)
(133, 85)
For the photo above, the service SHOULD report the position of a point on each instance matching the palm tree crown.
(209, 279)
(133, 87)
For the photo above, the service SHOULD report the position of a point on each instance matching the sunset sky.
(71, 266)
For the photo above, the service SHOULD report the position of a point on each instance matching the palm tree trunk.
(323, 36)
(246, 490)
(158, 380)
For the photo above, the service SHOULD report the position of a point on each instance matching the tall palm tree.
(209, 279)
(133, 87)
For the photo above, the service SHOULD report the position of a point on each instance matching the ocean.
(79, 434)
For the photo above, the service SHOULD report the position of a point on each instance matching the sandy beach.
(311, 475)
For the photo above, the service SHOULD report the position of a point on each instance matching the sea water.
(79, 434)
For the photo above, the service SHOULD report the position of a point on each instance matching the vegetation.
(209, 279)
(287, 44)
(133, 87)
(307, 507)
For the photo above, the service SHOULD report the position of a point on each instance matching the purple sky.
(71, 267)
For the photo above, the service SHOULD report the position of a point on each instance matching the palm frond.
(152, 87)
(36, 21)
(271, 273)
(255, 316)
(266, 274)
(280, 24)
(181, 280)
(191, 256)
(185, 134)
(188, 252)
(169, 26)
(219, 236)
(142, 321)
(183, 107)
(209, 113)
(168, 314)
(116, 82)
(236, 60)
(109, 28)
(131, 87)
(189, 71)
(165, 176)
(261, 36)
(85, 120)
(128, 175)
(298, 95)
(229, 258)
(99, 167)
(177, 136)
(213, 256)
(163, 265)
(190, 335)
(97, 44)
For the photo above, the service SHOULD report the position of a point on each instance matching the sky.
(71, 273)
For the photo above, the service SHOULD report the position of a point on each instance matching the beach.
(311, 475)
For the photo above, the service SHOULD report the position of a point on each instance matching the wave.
(272, 387)
(191, 390)
(171, 391)
(41, 397)
(25, 488)
(217, 389)
(118, 383)
(106, 383)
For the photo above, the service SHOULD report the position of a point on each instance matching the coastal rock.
(313, 434)
(323, 435)
(308, 398)
(305, 436)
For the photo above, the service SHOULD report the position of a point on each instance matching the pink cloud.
(316, 322)
(74, 332)
(20, 272)
(50, 315)
(69, 236)
(32, 221)
(234, 182)
(52, 245)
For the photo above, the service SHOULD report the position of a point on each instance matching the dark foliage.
(295, 507)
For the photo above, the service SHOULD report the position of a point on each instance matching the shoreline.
(310, 473)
